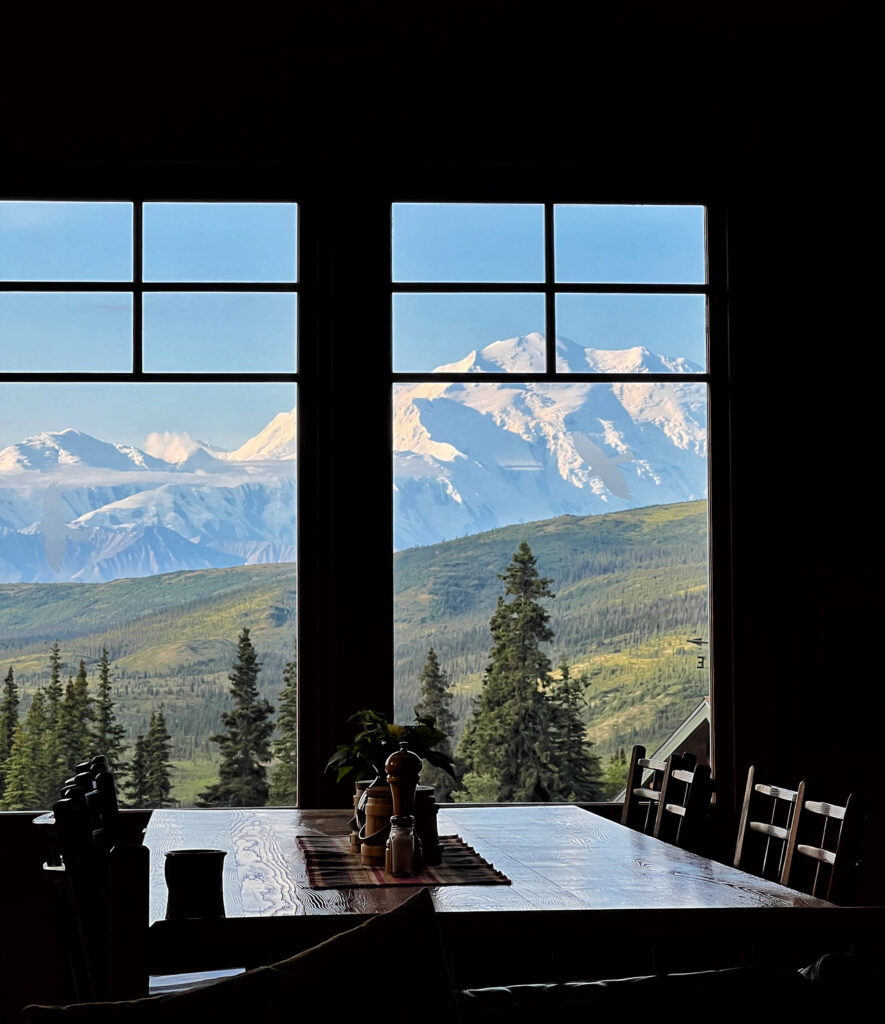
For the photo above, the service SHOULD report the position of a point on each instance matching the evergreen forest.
(630, 592)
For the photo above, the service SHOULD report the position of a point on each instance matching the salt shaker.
(401, 845)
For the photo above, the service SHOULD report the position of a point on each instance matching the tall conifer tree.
(284, 777)
(159, 764)
(18, 788)
(109, 734)
(9, 705)
(508, 748)
(149, 781)
(135, 787)
(75, 715)
(435, 702)
(30, 781)
(43, 768)
(579, 776)
(245, 746)
(54, 696)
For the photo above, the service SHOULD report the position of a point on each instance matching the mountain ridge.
(468, 457)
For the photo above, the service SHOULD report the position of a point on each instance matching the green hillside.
(171, 640)
(630, 587)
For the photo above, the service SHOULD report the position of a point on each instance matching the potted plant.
(377, 738)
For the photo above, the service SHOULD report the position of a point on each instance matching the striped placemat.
(333, 863)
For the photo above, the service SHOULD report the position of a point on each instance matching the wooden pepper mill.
(403, 768)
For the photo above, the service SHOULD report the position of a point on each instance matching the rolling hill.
(630, 587)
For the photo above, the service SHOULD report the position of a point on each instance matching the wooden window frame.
(345, 569)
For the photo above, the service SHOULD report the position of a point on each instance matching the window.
(550, 385)
(541, 366)
(147, 454)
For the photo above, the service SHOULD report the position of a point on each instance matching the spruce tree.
(284, 776)
(31, 783)
(18, 788)
(9, 705)
(43, 768)
(109, 734)
(149, 780)
(74, 721)
(508, 748)
(54, 697)
(158, 775)
(578, 771)
(135, 787)
(435, 702)
(242, 775)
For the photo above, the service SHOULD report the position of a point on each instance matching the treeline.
(67, 723)
(64, 725)
(631, 588)
(523, 736)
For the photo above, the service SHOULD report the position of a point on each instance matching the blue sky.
(197, 332)
(213, 332)
(479, 243)
(225, 415)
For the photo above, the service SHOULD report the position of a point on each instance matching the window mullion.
(550, 278)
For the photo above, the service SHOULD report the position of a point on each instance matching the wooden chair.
(101, 889)
(92, 786)
(645, 779)
(764, 828)
(822, 856)
(684, 807)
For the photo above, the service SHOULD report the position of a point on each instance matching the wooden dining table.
(580, 887)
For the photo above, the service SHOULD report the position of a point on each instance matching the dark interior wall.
(807, 538)
(769, 111)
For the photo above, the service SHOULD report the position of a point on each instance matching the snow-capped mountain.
(472, 457)
(468, 457)
(73, 507)
(74, 448)
(276, 441)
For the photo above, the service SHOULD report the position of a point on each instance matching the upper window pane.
(468, 242)
(54, 332)
(672, 329)
(219, 332)
(477, 332)
(57, 241)
(220, 242)
(630, 244)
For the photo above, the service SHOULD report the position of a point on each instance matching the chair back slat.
(775, 831)
(823, 852)
(764, 827)
(684, 809)
(645, 779)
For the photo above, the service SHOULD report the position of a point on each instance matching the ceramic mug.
(194, 879)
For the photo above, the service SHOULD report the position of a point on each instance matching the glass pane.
(65, 331)
(495, 332)
(54, 241)
(468, 242)
(672, 328)
(220, 242)
(607, 485)
(157, 520)
(234, 332)
(630, 244)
